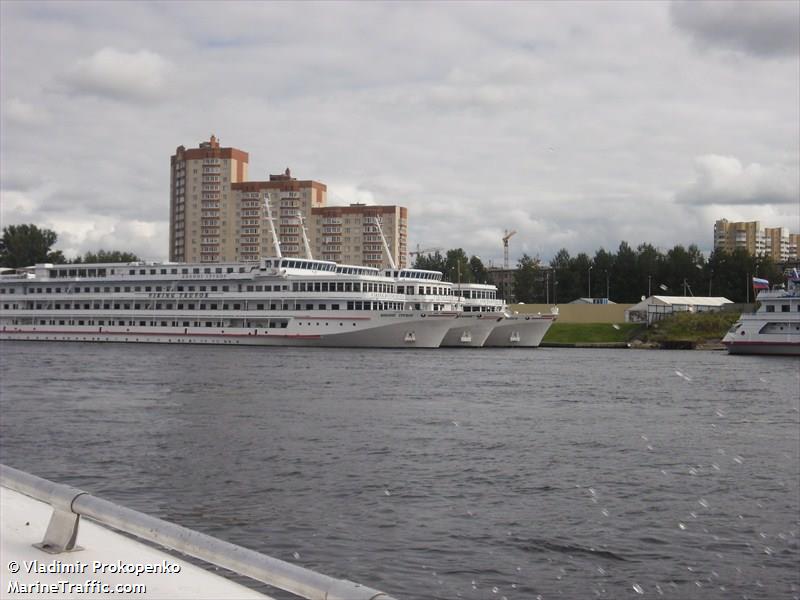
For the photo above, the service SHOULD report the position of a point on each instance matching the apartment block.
(290, 201)
(794, 246)
(773, 242)
(349, 234)
(776, 243)
(746, 234)
(217, 215)
(202, 207)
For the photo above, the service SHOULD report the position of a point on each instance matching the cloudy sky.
(577, 124)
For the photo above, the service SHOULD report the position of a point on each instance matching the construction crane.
(419, 251)
(507, 237)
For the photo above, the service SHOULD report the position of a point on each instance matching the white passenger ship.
(491, 323)
(774, 328)
(277, 302)
(483, 312)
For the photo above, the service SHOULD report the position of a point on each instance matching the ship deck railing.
(69, 504)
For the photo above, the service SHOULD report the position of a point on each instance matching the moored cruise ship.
(774, 328)
(277, 302)
(483, 312)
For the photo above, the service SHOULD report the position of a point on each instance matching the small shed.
(592, 301)
(656, 308)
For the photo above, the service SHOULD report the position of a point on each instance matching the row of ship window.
(784, 308)
(271, 324)
(301, 286)
(138, 288)
(63, 273)
(213, 306)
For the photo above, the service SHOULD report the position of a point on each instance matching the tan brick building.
(744, 234)
(348, 234)
(217, 215)
(202, 207)
(290, 202)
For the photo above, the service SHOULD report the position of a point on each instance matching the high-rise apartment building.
(290, 203)
(349, 234)
(217, 215)
(776, 243)
(202, 208)
(747, 235)
(794, 246)
(772, 242)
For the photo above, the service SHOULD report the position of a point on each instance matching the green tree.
(526, 278)
(649, 271)
(457, 267)
(479, 272)
(579, 268)
(732, 274)
(625, 280)
(430, 262)
(563, 285)
(26, 245)
(107, 256)
(602, 269)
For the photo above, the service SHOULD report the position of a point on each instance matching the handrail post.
(62, 530)
(61, 534)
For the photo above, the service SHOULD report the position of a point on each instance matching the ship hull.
(472, 330)
(766, 348)
(519, 332)
(411, 331)
(765, 333)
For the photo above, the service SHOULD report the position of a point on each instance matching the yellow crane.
(507, 237)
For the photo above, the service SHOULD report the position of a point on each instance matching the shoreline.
(714, 346)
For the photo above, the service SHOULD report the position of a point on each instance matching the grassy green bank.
(691, 328)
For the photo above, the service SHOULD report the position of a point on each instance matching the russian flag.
(760, 284)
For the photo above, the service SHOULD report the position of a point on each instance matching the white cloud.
(16, 206)
(23, 113)
(113, 73)
(576, 124)
(723, 180)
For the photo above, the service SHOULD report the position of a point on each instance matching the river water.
(552, 473)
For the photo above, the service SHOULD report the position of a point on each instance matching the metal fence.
(70, 503)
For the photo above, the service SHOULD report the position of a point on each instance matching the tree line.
(26, 245)
(623, 276)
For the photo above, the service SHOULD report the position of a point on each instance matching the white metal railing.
(70, 503)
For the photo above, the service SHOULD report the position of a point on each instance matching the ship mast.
(392, 264)
(275, 243)
(305, 235)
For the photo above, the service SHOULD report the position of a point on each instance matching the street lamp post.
(608, 287)
(547, 287)
(649, 287)
(590, 281)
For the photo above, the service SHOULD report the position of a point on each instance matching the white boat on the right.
(774, 328)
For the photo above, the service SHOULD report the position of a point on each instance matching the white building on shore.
(656, 308)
